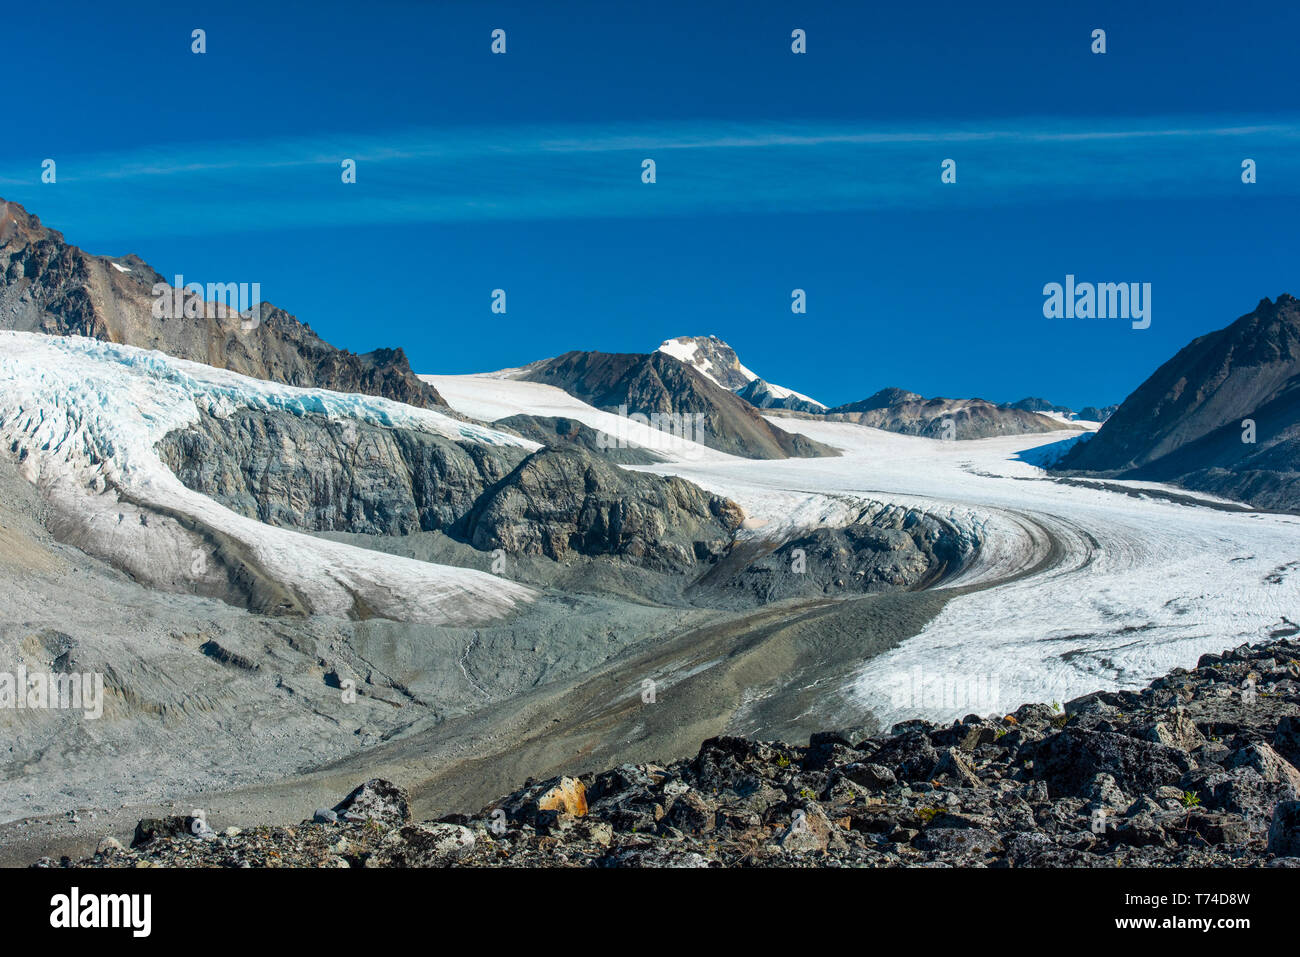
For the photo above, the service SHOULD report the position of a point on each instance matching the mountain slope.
(897, 410)
(765, 395)
(49, 286)
(880, 400)
(657, 384)
(1185, 424)
(558, 501)
(718, 361)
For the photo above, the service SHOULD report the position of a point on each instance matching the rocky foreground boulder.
(1198, 769)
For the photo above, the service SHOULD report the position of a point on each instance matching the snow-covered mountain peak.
(715, 359)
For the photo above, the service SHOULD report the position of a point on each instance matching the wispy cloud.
(579, 172)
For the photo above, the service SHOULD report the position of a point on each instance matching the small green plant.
(1056, 706)
(783, 762)
(999, 733)
(807, 794)
(1190, 799)
(927, 814)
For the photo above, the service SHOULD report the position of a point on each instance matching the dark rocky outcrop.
(559, 501)
(971, 419)
(317, 474)
(49, 286)
(1186, 423)
(1091, 413)
(1180, 774)
(657, 384)
(898, 548)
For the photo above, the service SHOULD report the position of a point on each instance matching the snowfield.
(83, 416)
(1071, 587)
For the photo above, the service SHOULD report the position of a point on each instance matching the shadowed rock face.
(1092, 413)
(49, 286)
(657, 383)
(1185, 424)
(316, 474)
(558, 501)
(898, 548)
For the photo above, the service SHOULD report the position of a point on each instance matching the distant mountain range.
(1222, 416)
(892, 409)
(907, 413)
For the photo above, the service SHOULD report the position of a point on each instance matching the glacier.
(1069, 586)
(82, 418)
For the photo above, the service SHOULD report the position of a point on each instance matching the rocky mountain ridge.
(657, 384)
(315, 474)
(1221, 416)
(907, 413)
(52, 287)
(718, 361)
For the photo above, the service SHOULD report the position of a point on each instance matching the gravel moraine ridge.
(1198, 769)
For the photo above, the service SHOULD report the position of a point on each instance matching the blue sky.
(775, 171)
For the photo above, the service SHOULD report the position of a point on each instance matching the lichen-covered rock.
(422, 845)
(1068, 761)
(378, 801)
(1284, 830)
